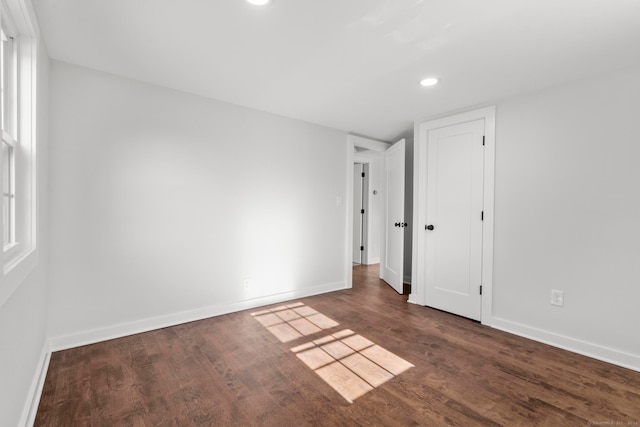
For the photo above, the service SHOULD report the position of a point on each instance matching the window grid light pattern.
(290, 322)
(348, 362)
(351, 364)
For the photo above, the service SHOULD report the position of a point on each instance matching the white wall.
(23, 329)
(567, 216)
(162, 203)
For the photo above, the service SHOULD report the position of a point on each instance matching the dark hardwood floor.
(230, 370)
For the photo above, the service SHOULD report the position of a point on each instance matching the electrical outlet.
(557, 298)
(247, 283)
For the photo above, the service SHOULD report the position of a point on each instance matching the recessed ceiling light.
(259, 2)
(429, 81)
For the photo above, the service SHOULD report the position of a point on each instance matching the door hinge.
(482, 139)
(361, 211)
(363, 174)
(362, 248)
(480, 289)
(482, 216)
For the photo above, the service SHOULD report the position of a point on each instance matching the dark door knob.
(428, 227)
(397, 224)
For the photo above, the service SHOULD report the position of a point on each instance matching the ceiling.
(349, 64)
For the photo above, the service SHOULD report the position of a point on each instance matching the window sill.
(17, 267)
(10, 249)
(14, 254)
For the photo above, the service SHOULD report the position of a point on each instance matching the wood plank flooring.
(231, 371)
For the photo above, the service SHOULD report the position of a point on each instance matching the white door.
(392, 254)
(357, 215)
(453, 240)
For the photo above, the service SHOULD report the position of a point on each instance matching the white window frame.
(20, 257)
(9, 132)
(8, 212)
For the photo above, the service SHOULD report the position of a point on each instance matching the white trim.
(368, 143)
(124, 329)
(361, 159)
(30, 409)
(354, 141)
(488, 114)
(24, 17)
(595, 351)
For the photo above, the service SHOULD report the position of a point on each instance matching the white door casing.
(392, 253)
(468, 233)
(453, 255)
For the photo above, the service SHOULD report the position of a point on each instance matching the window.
(9, 106)
(18, 78)
(8, 196)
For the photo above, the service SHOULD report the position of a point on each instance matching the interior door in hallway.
(392, 254)
(454, 214)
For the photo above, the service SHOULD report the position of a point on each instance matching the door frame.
(418, 273)
(354, 141)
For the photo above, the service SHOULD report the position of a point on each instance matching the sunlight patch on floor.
(293, 321)
(350, 363)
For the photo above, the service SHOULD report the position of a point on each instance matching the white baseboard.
(144, 325)
(595, 351)
(35, 390)
(372, 261)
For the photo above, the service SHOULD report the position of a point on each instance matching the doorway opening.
(361, 213)
(368, 153)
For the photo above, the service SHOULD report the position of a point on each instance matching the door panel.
(454, 208)
(392, 256)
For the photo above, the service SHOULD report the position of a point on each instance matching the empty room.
(298, 212)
